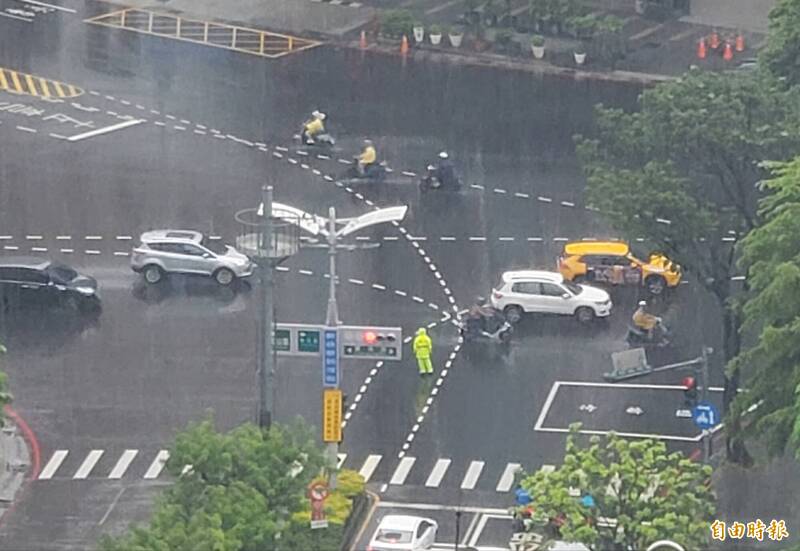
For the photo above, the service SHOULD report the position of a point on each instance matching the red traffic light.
(370, 337)
(689, 383)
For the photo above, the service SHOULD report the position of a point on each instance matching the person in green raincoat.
(422, 350)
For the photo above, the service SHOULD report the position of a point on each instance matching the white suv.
(548, 293)
(189, 252)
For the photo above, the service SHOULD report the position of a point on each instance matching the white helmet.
(367, 142)
(315, 114)
(320, 116)
(643, 303)
(443, 155)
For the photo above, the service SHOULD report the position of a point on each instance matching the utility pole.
(266, 373)
(332, 320)
(707, 438)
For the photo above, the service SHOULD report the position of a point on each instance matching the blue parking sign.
(705, 415)
(330, 359)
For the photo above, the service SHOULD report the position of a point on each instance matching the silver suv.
(184, 251)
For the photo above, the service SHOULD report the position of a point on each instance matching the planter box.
(538, 51)
(455, 40)
(419, 34)
(435, 39)
(580, 58)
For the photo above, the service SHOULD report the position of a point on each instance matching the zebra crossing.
(97, 464)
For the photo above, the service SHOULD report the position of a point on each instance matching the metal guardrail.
(219, 35)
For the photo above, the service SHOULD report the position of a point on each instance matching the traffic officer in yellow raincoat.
(422, 350)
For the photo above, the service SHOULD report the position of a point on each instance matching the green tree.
(241, 490)
(5, 393)
(651, 494)
(691, 156)
(771, 256)
(781, 55)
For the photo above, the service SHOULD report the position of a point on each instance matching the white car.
(404, 533)
(548, 293)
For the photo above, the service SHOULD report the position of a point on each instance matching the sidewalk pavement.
(14, 463)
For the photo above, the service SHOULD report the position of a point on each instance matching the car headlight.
(88, 291)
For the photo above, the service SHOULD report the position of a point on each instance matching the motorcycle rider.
(313, 127)
(646, 322)
(477, 317)
(445, 172)
(367, 158)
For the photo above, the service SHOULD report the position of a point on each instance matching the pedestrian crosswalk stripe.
(402, 470)
(472, 475)
(18, 82)
(507, 479)
(369, 466)
(53, 465)
(157, 465)
(548, 468)
(123, 464)
(438, 472)
(88, 464)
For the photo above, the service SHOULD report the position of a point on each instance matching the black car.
(28, 281)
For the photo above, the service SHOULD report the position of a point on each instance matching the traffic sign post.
(331, 415)
(317, 494)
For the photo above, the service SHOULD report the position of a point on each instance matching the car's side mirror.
(565, 296)
(206, 255)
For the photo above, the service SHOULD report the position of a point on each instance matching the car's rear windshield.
(394, 536)
(215, 246)
(61, 272)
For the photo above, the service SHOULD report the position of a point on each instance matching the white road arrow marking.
(634, 410)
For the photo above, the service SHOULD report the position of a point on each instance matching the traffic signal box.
(371, 343)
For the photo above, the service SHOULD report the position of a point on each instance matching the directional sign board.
(331, 415)
(365, 342)
(705, 415)
(330, 358)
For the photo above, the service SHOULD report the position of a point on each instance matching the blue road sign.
(705, 415)
(330, 359)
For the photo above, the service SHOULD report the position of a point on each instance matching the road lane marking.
(472, 475)
(507, 479)
(437, 474)
(26, 129)
(369, 466)
(53, 465)
(157, 465)
(548, 468)
(340, 460)
(105, 130)
(123, 464)
(52, 6)
(4, 14)
(402, 470)
(88, 464)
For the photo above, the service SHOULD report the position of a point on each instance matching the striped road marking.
(17, 82)
(508, 477)
(53, 465)
(369, 467)
(88, 464)
(402, 470)
(157, 465)
(437, 473)
(472, 475)
(123, 463)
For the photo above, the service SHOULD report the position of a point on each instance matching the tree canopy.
(781, 55)
(243, 489)
(771, 257)
(639, 493)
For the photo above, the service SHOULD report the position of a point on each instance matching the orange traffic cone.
(404, 45)
(740, 42)
(363, 42)
(713, 40)
(727, 55)
(701, 49)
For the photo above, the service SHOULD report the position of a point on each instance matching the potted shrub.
(503, 39)
(580, 55)
(456, 35)
(419, 32)
(435, 34)
(537, 46)
(396, 23)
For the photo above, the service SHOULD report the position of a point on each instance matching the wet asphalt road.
(157, 359)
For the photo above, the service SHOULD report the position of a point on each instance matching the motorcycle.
(374, 173)
(638, 337)
(431, 182)
(490, 328)
(321, 141)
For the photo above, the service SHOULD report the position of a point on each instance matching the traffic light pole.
(332, 320)
(706, 433)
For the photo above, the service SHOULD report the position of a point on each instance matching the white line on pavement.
(402, 470)
(157, 465)
(105, 130)
(88, 464)
(123, 463)
(472, 475)
(25, 128)
(369, 466)
(437, 473)
(53, 465)
(507, 479)
(4, 14)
